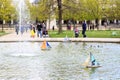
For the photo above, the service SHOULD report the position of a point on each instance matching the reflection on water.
(26, 61)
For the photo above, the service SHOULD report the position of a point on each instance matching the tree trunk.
(49, 24)
(2, 27)
(60, 16)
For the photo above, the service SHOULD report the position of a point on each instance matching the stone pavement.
(26, 37)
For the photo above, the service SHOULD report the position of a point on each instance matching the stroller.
(76, 33)
(45, 34)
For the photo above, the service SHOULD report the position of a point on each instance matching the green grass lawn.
(2, 33)
(90, 34)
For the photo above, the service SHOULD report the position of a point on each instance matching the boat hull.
(92, 66)
(45, 49)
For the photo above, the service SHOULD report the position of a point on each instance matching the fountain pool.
(26, 61)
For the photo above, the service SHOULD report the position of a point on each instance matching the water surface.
(26, 61)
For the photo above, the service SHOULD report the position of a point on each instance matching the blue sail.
(93, 60)
(48, 46)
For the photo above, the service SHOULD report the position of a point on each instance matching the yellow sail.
(86, 63)
(43, 45)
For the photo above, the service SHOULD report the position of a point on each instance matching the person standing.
(43, 27)
(32, 33)
(22, 29)
(39, 30)
(53, 28)
(105, 25)
(33, 28)
(84, 29)
(17, 29)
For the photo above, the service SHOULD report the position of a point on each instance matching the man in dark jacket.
(39, 30)
(84, 29)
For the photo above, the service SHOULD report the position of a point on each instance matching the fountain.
(23, 19)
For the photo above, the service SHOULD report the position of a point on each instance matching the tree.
(76, 10)
(6, 10)
(60, 15)
(115, 9)
(41, 10)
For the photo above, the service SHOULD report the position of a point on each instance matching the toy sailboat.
(91, 62)
(66, 39)
(45, 45)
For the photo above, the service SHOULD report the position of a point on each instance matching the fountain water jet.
(23, 12)
(23, 19)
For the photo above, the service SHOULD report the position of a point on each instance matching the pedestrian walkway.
(13, 37)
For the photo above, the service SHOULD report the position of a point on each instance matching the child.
(32, 33)
(76, 31)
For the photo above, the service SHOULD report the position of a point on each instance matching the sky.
(34, 1)
(31, 1)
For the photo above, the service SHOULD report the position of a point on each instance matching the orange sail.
(43, 45)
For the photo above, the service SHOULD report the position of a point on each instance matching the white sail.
(92, 62)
